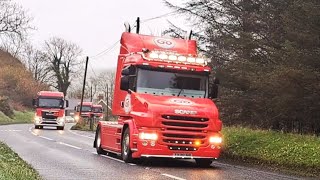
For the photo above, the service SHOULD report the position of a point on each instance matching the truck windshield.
(97, 109)
(84, 108)
(50, 103)
(171, 84)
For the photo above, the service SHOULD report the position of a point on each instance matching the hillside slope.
(17, 87)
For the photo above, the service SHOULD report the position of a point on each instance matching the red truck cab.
(86, 112)
(98, 111)
(162, 100)
(50, 109)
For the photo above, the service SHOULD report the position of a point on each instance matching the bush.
(5, 107)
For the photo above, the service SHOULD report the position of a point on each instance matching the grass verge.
(18, 117)
(291, 153)
(13, 167)
(83, 127)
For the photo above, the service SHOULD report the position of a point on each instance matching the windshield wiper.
(181, 88)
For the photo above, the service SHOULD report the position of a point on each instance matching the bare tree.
(63, 60)
(106, 81)
(14, 24)
(35, 62)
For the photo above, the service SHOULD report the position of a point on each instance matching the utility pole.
(91, 93)
(84, 84)
(107, 102)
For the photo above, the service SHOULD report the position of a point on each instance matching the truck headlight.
(148, 136)
(215, 140)
(76, 117)
(37, 118)
(61, 119)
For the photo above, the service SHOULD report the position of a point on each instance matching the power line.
(107, 50)
(94, 73)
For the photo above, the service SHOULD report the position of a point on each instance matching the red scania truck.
(162, 100)
(50, 109)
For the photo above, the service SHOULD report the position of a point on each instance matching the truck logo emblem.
(188, 112)
(164, 43)
(127, 104)
(181, 102)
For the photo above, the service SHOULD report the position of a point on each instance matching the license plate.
(182, 155)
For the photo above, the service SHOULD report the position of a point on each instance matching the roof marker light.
(154, 55)
(191, 59)
(173, 57)
(200, 60)
(163, 56)
(182, 58)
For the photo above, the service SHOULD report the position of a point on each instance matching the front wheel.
(97, 142)
(37, 127)
(204, 162)
(60, 127)
(126, 152)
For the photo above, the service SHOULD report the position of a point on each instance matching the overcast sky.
(94, 25)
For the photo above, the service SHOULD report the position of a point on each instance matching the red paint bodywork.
(153, 113)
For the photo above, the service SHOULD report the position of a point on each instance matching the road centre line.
(46, 138)
(80, 134)
(69, 145)
(173, 177)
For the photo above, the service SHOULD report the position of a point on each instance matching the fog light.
(152, 143)
(144, 143)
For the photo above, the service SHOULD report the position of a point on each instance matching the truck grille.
(183, 133)
(49, 115)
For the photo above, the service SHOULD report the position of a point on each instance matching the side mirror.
(125, 72)
(34, 102)
(124, 84)
(67, 103)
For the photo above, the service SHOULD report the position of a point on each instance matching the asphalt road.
(67, 154)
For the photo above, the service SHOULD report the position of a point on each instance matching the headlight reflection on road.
(36, 132)
(61, 132)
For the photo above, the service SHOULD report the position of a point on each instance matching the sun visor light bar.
(172, 57)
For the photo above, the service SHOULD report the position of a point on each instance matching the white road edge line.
(131, 164)
(69, 145)
(173, 177)
(43, 137)
(80, 134)
(112, 158)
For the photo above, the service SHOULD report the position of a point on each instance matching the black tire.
(204, 162)
(37, 127)
(97, 142)
(126, 152)
(60, 127)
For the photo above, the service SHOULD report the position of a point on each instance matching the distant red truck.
(50, 109)
(86, 112)
(97, 111)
